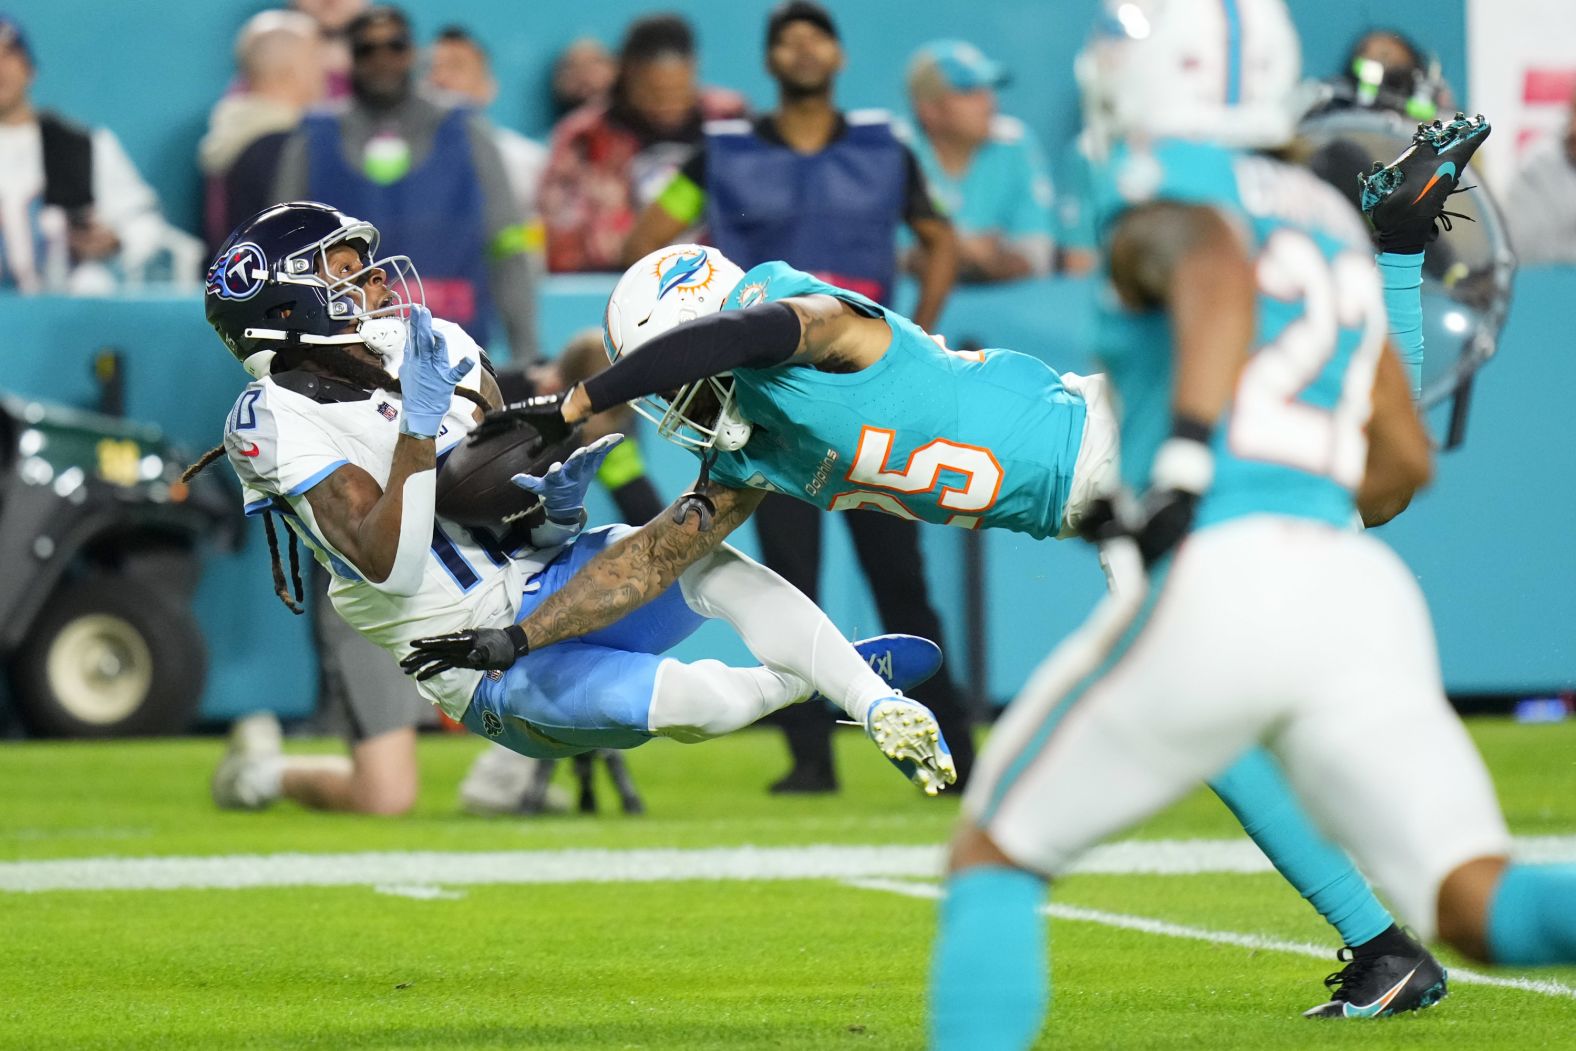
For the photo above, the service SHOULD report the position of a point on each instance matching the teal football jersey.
(974, 439)
(1293, 441)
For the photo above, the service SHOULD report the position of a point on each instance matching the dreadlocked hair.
(293, 604)
(356, 370)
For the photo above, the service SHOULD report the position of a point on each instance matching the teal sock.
(989, 986)
(1532, 920)
(1403, 304)
(1256, 791)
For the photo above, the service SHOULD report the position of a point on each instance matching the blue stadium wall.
(1490, 542)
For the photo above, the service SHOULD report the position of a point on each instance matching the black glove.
(1165, 516)
(488, 649)
(1182, 470)
(1100, 521)
(543, 412)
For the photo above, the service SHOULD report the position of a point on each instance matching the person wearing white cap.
(985, 169)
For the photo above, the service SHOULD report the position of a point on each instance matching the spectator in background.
(279, 57)
(583, 72)
(986, 170)
(825, 192)
(609, 160)
(333, 18)
(429, 176)
(1540, 209)
(779, 187)
(460, 65)
(1385, 69)
(75, 215)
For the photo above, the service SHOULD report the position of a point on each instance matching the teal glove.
(426, 379)
(563, 488)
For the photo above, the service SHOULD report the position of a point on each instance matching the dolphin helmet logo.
(684, 271)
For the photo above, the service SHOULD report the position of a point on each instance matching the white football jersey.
(282, 443)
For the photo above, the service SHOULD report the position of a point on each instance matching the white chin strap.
(384, 336)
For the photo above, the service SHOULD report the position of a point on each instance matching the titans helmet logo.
(237, 274)
(681, 272)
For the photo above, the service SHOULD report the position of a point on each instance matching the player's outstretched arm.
(816, 329)
(625, 576)
(385, 530)
(1399, 459)
(637, 568)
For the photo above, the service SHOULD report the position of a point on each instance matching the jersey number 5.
(979, 474)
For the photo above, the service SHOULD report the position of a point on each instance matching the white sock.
(696, 701)
(785, 630)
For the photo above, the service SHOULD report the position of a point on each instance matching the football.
(473, 481)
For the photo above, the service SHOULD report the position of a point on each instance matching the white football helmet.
(1222, 70)
(665, 289)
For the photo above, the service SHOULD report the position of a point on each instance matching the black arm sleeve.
(755, 338)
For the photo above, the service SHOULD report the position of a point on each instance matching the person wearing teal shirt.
(780, 382)
(985, 170)
(1244, 331)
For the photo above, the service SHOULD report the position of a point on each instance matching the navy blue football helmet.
(270, 286)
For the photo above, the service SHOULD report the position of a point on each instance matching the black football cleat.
(1379, 986)
(1405, 199)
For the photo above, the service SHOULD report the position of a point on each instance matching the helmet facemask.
(381, 328)
(660, 292)
(699, 415)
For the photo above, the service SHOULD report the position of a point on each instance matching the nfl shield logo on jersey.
(387, 411)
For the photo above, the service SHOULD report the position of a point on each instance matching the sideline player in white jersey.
(330, 441)
(1244, 335)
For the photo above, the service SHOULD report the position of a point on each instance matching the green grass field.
(471, 958)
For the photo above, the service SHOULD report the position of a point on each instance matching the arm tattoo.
(635, 570)
(818, 314)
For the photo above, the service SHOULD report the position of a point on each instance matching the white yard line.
(1131, 857)
(426, 875)
(1166, 929)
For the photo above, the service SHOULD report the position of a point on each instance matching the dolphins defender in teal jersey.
(840, 402)
(1245, 337)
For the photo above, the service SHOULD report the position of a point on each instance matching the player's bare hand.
(486, 649)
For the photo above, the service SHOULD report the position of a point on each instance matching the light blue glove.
(563, 487)
(426, 379)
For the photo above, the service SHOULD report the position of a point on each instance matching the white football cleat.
(241, 781)
(909, 736)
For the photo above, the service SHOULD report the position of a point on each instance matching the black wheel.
(110, 658)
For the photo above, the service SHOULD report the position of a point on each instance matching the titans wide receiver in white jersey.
(347, 454)
(282, 442)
